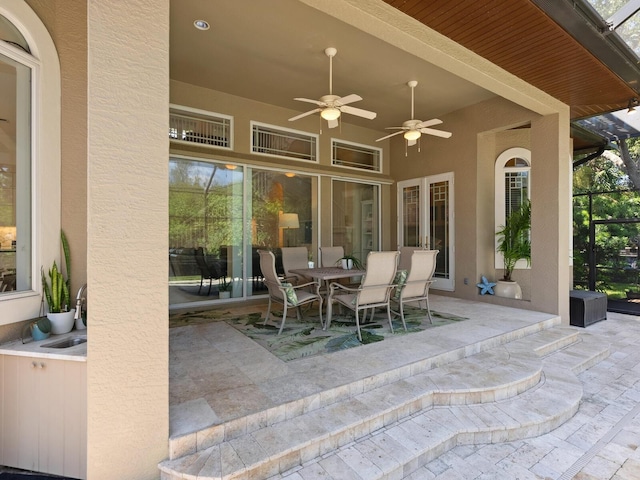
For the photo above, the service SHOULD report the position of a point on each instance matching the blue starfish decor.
(486, 286)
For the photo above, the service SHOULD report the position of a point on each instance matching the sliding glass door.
(355, 217)
(425, 219)
(220, 215)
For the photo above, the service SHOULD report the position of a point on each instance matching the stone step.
(396, 367)
(399, 450)
(497, 375)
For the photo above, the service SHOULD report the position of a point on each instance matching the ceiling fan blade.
(388, 136)
(358, 112)
(348, 99)
(437, 133)
(332, 123)
(429, 123)
(308, 100)
(395, 128)
(310, 112)
(411, 143)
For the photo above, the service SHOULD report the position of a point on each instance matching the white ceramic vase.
(61, 322)
(508, 289)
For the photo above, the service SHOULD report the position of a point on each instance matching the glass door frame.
(424, 184)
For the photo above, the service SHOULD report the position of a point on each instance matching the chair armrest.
(339, 286)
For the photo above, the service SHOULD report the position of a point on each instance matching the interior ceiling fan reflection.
(332, 106)
(413, 129)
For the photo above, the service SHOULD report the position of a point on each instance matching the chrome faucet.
(80, 299)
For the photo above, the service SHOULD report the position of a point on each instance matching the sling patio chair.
(331, 255)
(283, 292)
(374, 290)
(295, 257)
(413, 286)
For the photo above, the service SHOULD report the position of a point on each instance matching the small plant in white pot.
(56, 291)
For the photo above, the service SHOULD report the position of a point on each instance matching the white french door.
(426, 219)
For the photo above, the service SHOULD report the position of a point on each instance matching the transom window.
(283, 142)
(354, 155)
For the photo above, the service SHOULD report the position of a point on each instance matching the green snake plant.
(56, 289)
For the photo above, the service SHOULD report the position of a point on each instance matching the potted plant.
(56, 291)
(514, 244)
(224, 288)
(350, 261)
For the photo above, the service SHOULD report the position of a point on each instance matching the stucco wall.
(480, 133)
(127, 238)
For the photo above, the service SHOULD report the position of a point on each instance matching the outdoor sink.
(66, 342)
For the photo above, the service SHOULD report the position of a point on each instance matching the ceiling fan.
(413, 128)
(331, 106)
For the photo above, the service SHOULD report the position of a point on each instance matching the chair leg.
(210, 282)
(358, 326)
(402, 315)
(266, 319)
(201, 278)
(389, 317)
(327, 322)
(320, 311)
(426, 300)
(284, 317)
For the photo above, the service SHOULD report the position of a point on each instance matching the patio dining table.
(326, 274)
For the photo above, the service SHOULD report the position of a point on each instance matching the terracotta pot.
(508, 289)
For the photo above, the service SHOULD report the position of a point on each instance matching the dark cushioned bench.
(586, 307)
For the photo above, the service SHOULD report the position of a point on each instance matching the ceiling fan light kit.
(332, 106)
(413, 129)
(330, 113)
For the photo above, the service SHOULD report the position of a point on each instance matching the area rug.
(305, 337)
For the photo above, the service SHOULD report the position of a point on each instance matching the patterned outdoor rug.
(305, 338)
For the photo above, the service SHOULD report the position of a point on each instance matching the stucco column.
(128, 96)
(550, 214)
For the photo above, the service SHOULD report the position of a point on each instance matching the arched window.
(29, 159)
(513, 186)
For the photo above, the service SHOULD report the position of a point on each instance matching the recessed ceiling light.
(201, 25)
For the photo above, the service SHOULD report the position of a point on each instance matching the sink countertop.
(77, 353)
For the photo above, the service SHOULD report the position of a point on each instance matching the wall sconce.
(289, 174)
(230, 167)
(631, 108)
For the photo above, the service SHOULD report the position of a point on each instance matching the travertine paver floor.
(600, 442)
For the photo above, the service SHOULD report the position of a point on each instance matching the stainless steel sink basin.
(66, 342)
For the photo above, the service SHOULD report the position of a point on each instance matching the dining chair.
(404, 263)
(331, 255)
(295, 257)
(374, 290)
(290, 296)
(207, 272)
(418, 280)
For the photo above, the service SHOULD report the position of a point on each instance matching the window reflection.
(220, 215)
(355, 218)
(15, 176)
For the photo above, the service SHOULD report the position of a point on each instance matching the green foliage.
(513, 238)
(357, 264)
(67, 257)
(56, 292)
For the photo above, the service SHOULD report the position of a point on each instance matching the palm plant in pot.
(514, 244)
(56, 291)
